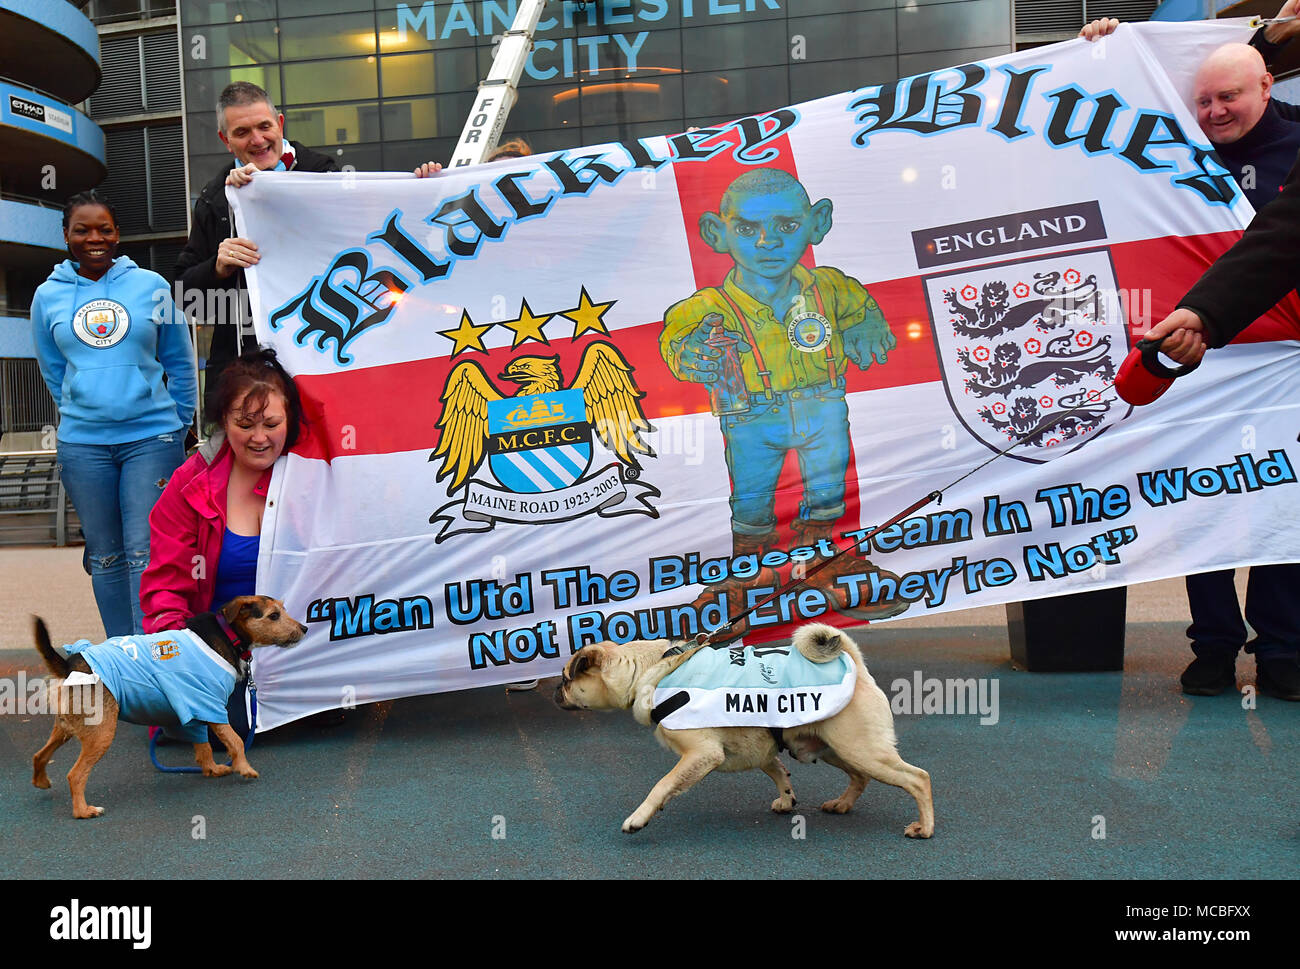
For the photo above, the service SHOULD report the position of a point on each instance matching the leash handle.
(1150, 350)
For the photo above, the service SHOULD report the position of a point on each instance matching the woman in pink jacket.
(206, 526)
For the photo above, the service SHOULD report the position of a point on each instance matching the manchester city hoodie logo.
(101, 323)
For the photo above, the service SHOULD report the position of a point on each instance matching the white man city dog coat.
(752, 686)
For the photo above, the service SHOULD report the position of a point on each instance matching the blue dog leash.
(155, 733)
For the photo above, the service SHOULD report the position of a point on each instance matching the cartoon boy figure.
(794, 332)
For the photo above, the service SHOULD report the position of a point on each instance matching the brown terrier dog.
(177, 678)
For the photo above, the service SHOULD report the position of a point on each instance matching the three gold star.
(468, 335)
(526, 326)
(587, 317)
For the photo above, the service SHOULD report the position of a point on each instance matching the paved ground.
(1083, 776)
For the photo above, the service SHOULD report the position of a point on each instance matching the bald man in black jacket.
(1242, 285)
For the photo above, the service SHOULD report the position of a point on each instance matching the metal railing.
(25, 404)
(34, 507)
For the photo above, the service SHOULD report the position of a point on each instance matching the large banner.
(623, 391)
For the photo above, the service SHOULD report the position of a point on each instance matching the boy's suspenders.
(753, 344)
(763, 371)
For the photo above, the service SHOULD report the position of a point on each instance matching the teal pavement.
(1070, 776)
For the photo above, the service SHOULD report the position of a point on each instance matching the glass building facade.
(385, 86)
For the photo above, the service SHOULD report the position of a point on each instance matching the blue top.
(236, 568)
(173, 679)
(103, 347)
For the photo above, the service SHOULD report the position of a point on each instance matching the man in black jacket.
(1251, 277)
(1255, 135)
(1257, 139)
(1258, 144)
(1242, 285)
(212, 261)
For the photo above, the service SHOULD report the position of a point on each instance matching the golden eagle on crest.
(604, 377)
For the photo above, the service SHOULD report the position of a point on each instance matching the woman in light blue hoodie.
(106, 333)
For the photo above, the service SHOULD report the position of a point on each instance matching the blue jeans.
(813, 423)
(114, 487)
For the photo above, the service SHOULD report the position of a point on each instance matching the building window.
(141, 74)
(25, 402)
(146, 179)
(115, 11)
(373, 81)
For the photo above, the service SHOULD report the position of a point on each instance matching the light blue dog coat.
(170, 679)
(753, 686)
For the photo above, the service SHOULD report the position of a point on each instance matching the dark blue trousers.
(1272, 609)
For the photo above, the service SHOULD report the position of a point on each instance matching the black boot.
(1278, 676)
(1212, 672)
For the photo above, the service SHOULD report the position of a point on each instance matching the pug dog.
(858, 739)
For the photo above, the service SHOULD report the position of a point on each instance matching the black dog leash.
(724, 634)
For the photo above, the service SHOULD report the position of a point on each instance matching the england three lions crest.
(1029, 350)
(540, 442)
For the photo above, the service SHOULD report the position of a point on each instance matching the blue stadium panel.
(16, 338)
(46, 144)
(52, 46)
(30, 234)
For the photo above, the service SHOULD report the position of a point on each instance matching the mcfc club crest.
(809, 332)
(540, 443)
(166, 649)
(1029, 349)
(101, 323)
